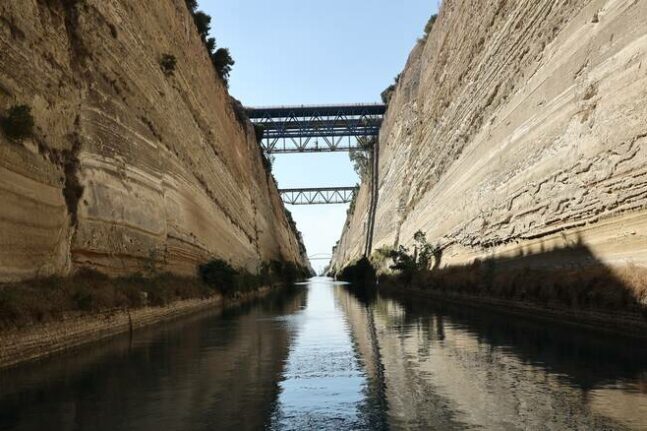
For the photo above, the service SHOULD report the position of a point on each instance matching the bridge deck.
(290, 129)
(315, 111)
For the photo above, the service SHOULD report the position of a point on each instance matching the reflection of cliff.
(126, 164)
(451, 368)
(513, 123)
(208, 372)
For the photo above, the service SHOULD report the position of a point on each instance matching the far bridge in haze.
(316, 129)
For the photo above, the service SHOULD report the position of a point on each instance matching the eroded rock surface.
(128, 167)
(516, 128)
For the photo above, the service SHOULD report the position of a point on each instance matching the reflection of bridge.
(318, 195)
(296, 129)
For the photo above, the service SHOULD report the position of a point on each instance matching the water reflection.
(211, 371)
(324, 386)
(323, 358)
(454, 368)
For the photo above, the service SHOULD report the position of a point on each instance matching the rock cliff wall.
(127, 167)
(517, 128)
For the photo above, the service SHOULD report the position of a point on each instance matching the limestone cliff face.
(517, 127)
(127, 165)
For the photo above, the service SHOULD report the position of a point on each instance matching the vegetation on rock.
(222, 277)
(591, 287)
(18, 124)
(430, 25)
(52, 298)
(361, 158)
(220, 57)
(387, 94)
(168, 62)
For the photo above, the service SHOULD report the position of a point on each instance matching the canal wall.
(46, 339)
(128, 167)
(517, 129)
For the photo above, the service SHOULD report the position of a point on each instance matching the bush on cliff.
(361, 158)
(221, 57)
(192, 5)
(219, 275)
(223, 62)
(202, 23)
(168, 62)
(430, 25)
(18, 123)
(388, 92)
(229, 281)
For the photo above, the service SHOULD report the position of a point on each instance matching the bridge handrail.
(319, 189)
(331, 105)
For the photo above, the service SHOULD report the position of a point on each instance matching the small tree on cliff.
(361, 158)
(407, 263)
(223, 62)
(221, 58)
(202, 23)
(430, 25)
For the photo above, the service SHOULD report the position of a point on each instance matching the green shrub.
(221, 58)
(192, 5)
(168, 62)
(223, 62)
(18, 124)
(387, 94)
(259, 132)
(361, 158)
(430, 25)
(203, 24)
(219, 275)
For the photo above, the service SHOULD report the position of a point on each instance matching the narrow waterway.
(321, 357)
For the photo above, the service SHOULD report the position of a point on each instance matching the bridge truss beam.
(318, 196)
(299, 129)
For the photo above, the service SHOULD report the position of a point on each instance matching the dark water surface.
(323, 358)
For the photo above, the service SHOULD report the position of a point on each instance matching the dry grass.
(53, 298)
(595, 287)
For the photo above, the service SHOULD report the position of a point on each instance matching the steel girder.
(297, 129)
(318, 195)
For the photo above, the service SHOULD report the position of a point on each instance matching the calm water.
(324, 358)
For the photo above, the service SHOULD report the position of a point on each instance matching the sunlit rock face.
(127, 166)
(517, 127)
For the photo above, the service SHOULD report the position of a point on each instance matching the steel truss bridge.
(318, 195)
(299, 129)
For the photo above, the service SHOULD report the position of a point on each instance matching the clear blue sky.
(316, 52)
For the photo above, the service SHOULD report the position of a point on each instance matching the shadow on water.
(203, 372)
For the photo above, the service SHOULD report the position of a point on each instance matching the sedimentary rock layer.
(517, 128)
(128, 167)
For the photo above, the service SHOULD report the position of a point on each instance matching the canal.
(322, 357)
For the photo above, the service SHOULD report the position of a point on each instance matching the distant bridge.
(318, 195)
(320, 256)
(297, 129)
